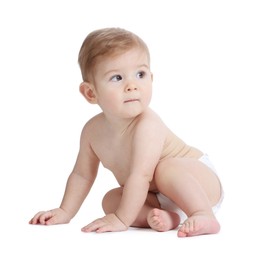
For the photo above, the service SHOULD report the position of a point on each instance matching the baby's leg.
(195, 189)
(112, 199)
(150, 215)
(162, 220)
(199, 225)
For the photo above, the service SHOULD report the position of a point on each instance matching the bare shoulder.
(150, 124)
(92, 126)
(151, 119)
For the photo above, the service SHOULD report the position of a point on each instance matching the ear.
(88, 91)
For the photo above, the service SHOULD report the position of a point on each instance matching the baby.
(163, 182)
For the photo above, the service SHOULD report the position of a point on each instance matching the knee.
(111, 200)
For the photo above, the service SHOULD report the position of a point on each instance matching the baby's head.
(106, 43)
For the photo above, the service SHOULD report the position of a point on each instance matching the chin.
(133, 114)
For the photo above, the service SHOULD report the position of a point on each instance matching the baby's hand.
(51, 217)
(106, 224)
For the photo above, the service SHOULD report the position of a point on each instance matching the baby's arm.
(78, 186)
(75, 194)
(147, 147)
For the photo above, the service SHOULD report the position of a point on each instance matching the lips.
(131, 100)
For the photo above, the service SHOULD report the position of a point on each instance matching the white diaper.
(169, 205)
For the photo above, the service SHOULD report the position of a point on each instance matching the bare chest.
(115, 156)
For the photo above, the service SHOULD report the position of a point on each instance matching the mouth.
(131, 100)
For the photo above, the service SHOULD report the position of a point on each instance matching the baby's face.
(123, 84)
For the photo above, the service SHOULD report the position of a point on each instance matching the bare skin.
(131, 140)
(162, 220)
(198, 223)
(178, 179)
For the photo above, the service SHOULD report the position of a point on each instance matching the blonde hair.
(103, 43)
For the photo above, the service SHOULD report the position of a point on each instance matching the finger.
(45, 216)
(94, 226)
(35, 219)
(90, 228)
(105, 228)
(52, 221)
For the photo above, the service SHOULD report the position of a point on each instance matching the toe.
(181, 234)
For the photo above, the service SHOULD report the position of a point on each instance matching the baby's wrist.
(67, 212)
(121, 219)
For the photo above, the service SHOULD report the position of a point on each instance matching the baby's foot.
(162, 220)
(199, 225)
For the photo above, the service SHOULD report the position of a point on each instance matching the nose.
(130, 87)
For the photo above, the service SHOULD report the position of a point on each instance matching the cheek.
(148, 95)
(109, 101)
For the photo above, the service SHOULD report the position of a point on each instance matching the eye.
(140, 74)
(116, 78)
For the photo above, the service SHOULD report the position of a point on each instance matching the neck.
(119, 125)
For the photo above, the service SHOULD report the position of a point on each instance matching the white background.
(206, 65)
